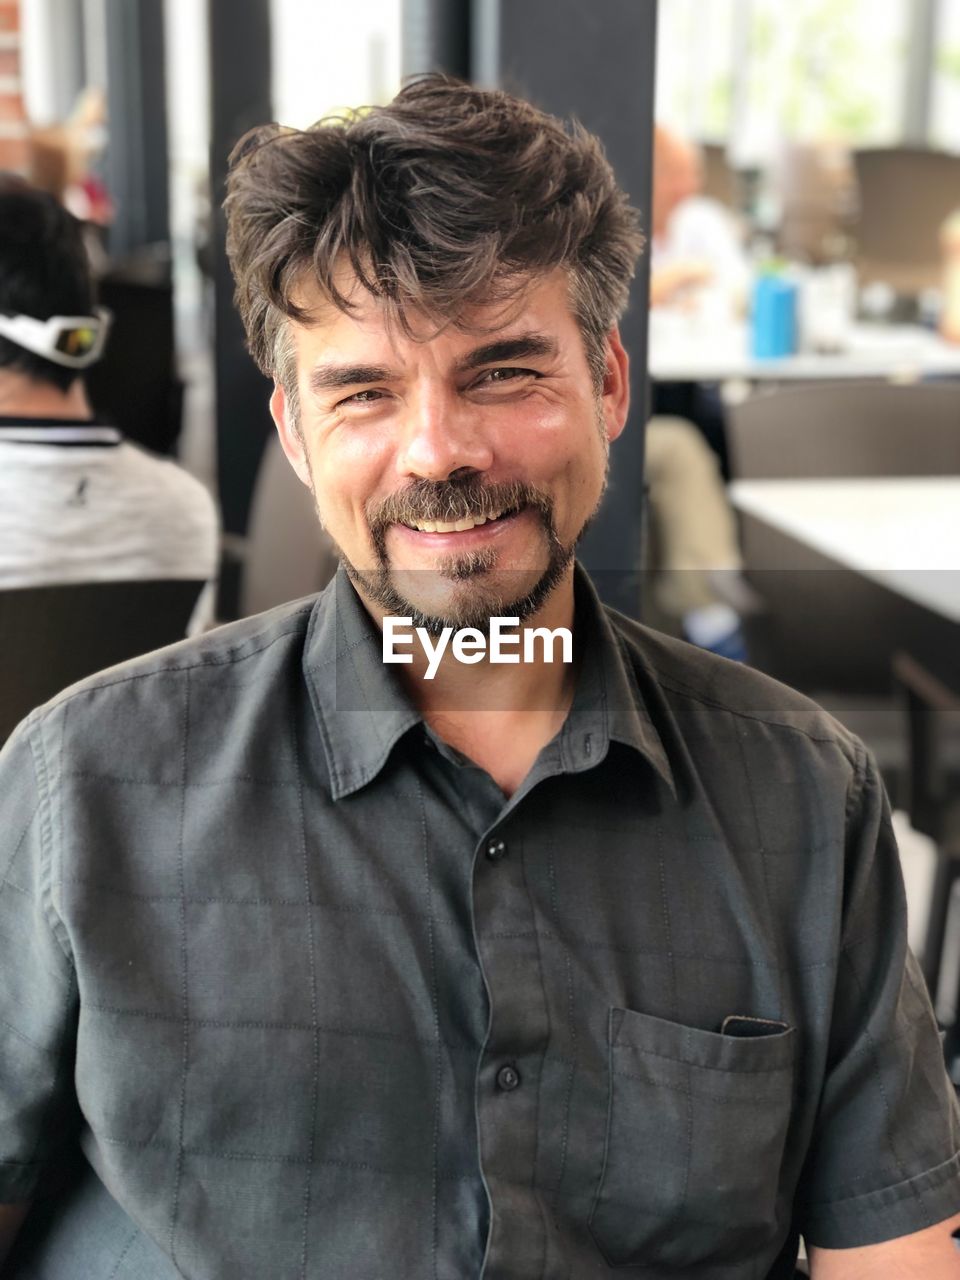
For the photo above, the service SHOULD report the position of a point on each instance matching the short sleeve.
(884, 1158)
(37, 992)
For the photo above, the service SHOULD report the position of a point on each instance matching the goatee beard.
(479, 591)
(490, 594)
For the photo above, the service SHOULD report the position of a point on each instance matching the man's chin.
(456, 596)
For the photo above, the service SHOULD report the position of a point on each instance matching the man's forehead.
(541, 293)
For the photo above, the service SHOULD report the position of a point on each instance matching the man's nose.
(441, 435)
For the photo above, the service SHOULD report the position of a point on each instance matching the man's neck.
(26, 398)
(498, 715)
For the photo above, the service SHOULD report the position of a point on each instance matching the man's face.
(455, 472)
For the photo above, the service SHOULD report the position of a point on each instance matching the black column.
(136, 159)
(240, 98)
(436, 37)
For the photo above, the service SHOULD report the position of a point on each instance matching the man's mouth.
(457, 526)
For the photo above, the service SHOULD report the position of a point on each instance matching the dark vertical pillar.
(240, 98)
(436, 37)
(153, 90)
(136, 160)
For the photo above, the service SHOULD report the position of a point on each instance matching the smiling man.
(526, 970)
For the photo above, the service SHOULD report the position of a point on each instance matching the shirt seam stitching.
(947, 1167)
(674, 686)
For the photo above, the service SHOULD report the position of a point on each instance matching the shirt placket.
(511, 1062)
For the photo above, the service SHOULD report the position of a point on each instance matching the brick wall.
(13, 122)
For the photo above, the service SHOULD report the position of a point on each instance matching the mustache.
(455, 499)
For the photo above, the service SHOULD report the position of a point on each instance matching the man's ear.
(290, 437)
(615, 393)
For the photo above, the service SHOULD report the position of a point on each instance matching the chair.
(846, 429)
(905, 195)
(932, 707)
(54, 635)
(826, 630)
(818, 198)
(721, 182)
(288, 555)
(135, 384)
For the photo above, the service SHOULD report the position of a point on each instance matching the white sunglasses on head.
(73, 341)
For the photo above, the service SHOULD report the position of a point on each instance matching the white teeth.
(455, 526)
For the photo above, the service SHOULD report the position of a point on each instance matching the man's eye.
(364, 397)
(506, 374)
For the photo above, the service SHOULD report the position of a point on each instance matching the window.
(823, 70)
(753, 72)
(328, 56)
(695, 59)
(945, 96)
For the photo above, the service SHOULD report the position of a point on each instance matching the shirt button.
(508, 1078)
(496, 850)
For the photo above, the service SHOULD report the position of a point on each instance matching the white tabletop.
(903, 533)
(684, 349)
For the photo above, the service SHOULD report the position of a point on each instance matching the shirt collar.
(57, 431)
(362, 710)
(360, 706)
(608, 705)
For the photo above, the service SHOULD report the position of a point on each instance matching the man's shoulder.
(699, 686)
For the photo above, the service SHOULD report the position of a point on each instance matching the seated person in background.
(697, 266)
(77, 502)
(694, 244)
(696, 580)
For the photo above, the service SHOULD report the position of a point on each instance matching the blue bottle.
(774, 329)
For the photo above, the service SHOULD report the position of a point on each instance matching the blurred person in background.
(694, 556)
(530, 970)
(697, 265)
(66, 160)
(698, 275)
(695, 247)
(77, 502)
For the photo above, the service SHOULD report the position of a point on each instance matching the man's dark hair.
(449, 197)
(44, 271)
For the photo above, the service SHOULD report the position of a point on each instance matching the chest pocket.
(696, 1129)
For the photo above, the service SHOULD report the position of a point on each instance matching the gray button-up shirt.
(322, 1002)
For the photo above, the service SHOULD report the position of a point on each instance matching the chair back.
(905, 195)
(846, 429)
(931, 694)
(54, 635)
(288, 555)
(135, 383)
(721, 181)
(817, 190)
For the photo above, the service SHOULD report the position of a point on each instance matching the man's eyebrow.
(503, 350)
(332, 377)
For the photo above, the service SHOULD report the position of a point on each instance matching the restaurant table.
(903, 533)
(682, 348)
